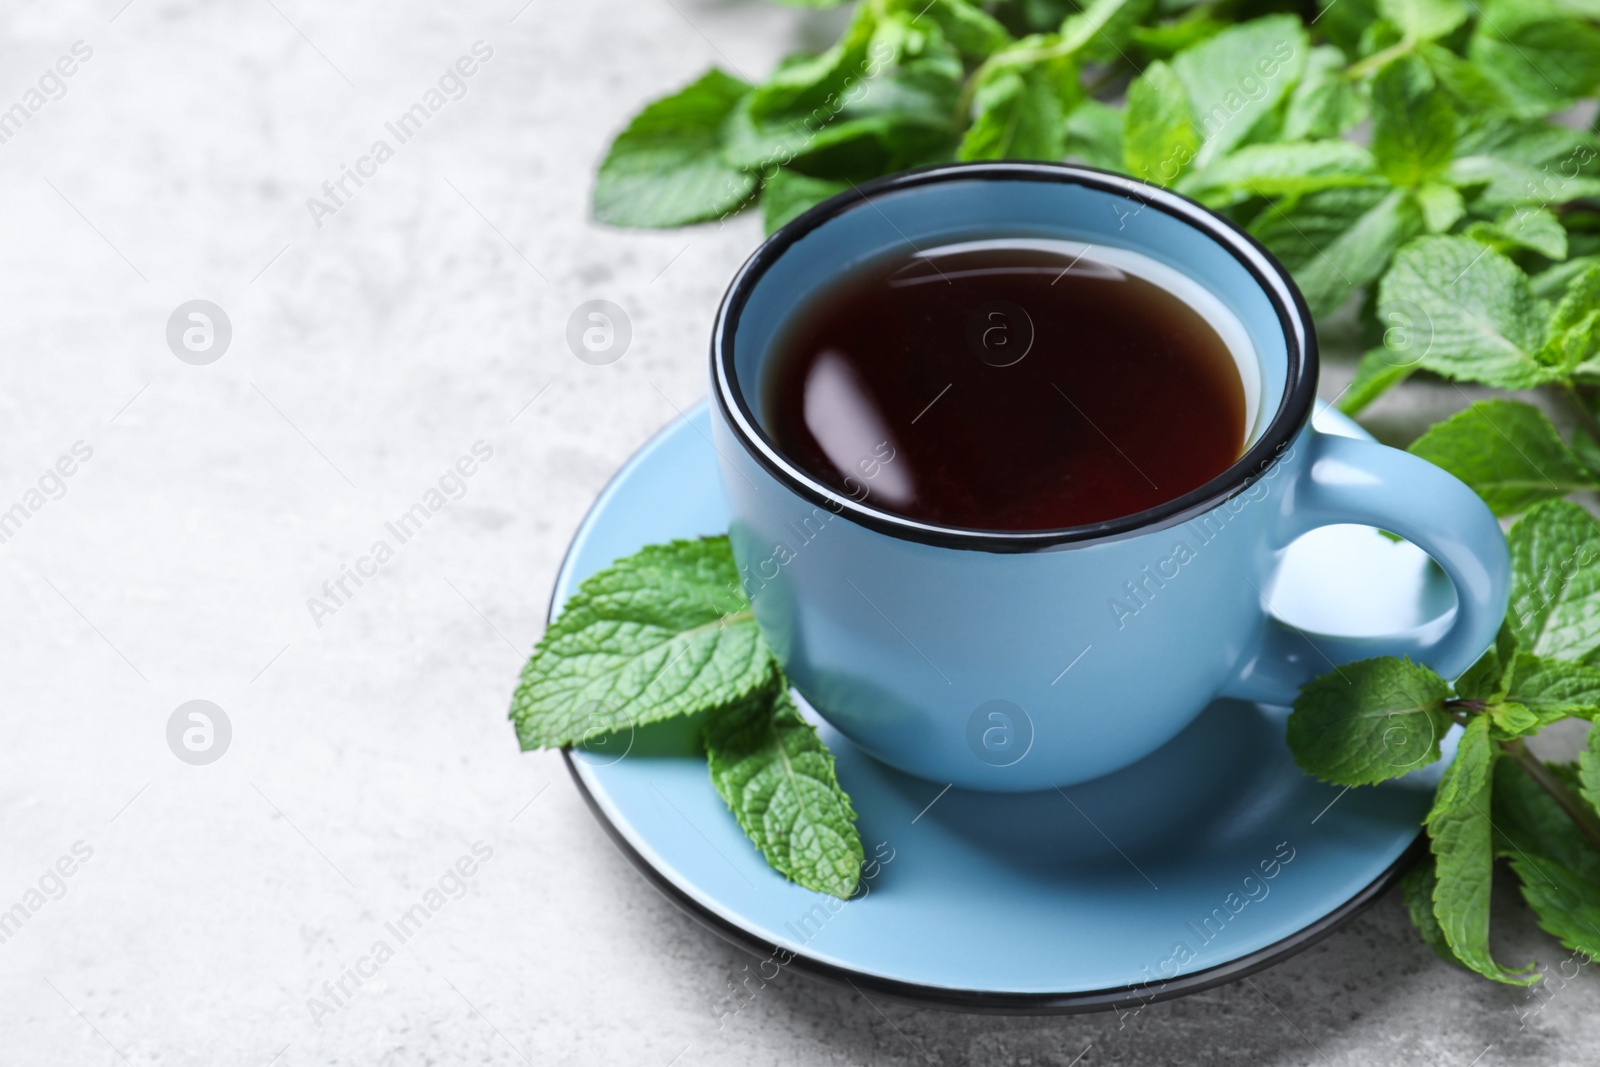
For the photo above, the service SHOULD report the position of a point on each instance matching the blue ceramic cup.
(1023, 660)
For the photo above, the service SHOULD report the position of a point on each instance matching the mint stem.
(1378, 60)
(1581, 816)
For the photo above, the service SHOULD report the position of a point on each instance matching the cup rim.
(1293, 410)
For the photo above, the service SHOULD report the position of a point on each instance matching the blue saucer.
(1208, 860)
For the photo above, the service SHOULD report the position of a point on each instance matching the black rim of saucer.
(973, 1001)
(1293, 410)
(990, 1002)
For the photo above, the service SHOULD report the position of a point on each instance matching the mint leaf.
(1441, 205)
(665, 168)
(1581, 297)
(1159, 139)
(1544, 61)
(1508, 452)
(1461, 839)
(1101, 29)
(1337, 240)
(1285, 170)
(1589, 770)
(1167, 39)
(1528, 820)
(1369, 721)
(1553, 689)
(1413, 127)
(1531, 142)
(1019, 116)
(1574, 333)
(1485, 326)
(1511, 162)
(788, 193)
(1499, 184)
(664, 632)
(1558, 869)
(1508, 721)
(881, 99)
(1470, 88)
(1535, 229)
(1325, 103)
(1238, 77)
(1555, 585)
(1490, 677)
(776, 776)
(803, 84)
(1568, 905)
(1553, 282)
(1417, 888)
(1424, 20)
(974, 32)
(1094, 134)
(1380, 370)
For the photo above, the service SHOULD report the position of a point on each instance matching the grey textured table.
(374, 341)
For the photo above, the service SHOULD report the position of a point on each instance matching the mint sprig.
(668, 633)
(1381, 718)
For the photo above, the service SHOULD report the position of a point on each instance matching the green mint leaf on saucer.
(1369, 721)
(777, 778)
(1508, 451)
(1413, 127)
(1159, 138)
(788, 193)
(1463, 852)
(1482, 320)
(662, 633)
(666, 169)
(1555, 583)
(1417, 887)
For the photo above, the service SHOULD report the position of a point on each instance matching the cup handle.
(1348, 480)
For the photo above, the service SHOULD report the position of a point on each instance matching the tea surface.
(1012, 388)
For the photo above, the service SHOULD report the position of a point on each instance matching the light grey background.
(370, 752)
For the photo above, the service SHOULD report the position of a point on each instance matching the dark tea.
(1015, 386)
